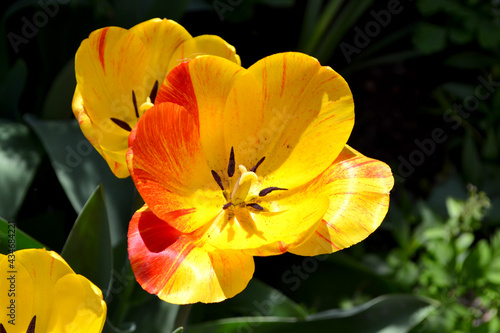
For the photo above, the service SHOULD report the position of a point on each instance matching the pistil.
(242, 187)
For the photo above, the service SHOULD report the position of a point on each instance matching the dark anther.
(257, 165)
(134, 100)
(122, 124)
(2, 329)
(268, 190)
(217, 179)
(226, 206)
(31, 327)
(255, 206)
(231, 166)
(154, 92)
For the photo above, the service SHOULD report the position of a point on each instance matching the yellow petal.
(178, 267)
(77, 306)
(203, 45)
(109, 65)
(36, 274)
(290, 110)
(161, 38)
(358, 188)
(284, 224)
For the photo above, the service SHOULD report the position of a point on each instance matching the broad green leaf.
(57, 104)
(80, 168)
(454, 207)
(493, 271)
(110, 328)
(429, 38)
(88, 247)
(12, 238)
(11, 88)
(429, 7)
(155, 316)
(20, 157)
(345, 20)
(390, 313)
(470, 60)
(257, 299)
(476, 263)
(321, 24)
(464, 241)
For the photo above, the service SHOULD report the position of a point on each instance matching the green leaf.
(154, 316)
(493, 271)
(454, 207)
(12, 238)
(476, 263)
(257, 299)
(179, 330)
(20, 157)
(470, 60)
(464, 241)
(80, 168)
(88, 247)
(429, 38)
(11, 89)
(390, 313)
(429, 7)
(57, 104)
(344, 21)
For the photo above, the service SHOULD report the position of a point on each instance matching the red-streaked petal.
(178, 267)
(202, 86)
(358, 188)
(169, 169)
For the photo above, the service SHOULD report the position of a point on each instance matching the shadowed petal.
(202, 45)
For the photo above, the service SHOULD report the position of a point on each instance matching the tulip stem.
(182, 315)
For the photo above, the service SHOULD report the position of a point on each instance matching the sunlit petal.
(179, 268)
(358, 188)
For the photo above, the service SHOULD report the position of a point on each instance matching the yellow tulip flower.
(234, 163)
(118, 73)
(40, 293)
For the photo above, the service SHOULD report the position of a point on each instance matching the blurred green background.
(425, 76)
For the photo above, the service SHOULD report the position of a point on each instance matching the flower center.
(138, 110)
(240, 194)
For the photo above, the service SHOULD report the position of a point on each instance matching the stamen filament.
(268, 190)
(255, 206)
(254, 169)
(31, 327)
(134, 100)
(122, 124)
(217, 179)
(232, 165)
(154, 92)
